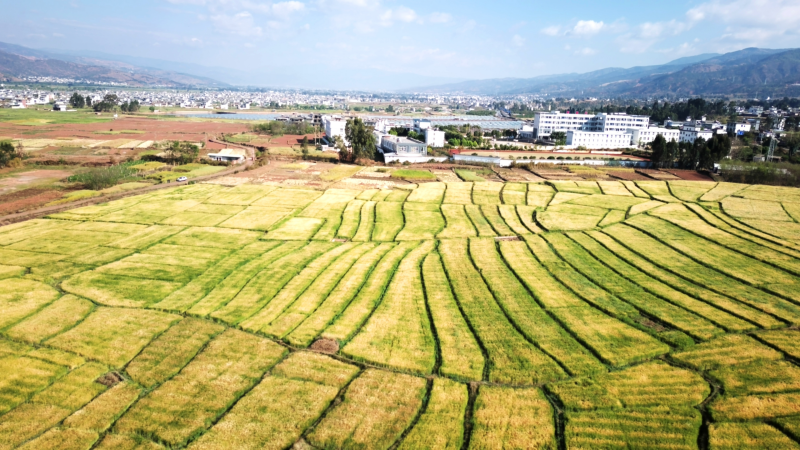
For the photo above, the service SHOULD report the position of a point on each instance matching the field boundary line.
(195, 436)
(469, 411)
(727, 246)
(559, 419)
(689, 281)
(511, 321)
(385, 288)
(717, 389)
(337, 400)
(760, 288)
(487, 362)
(420, 411)
(437, 348)
(624, 320)
(656, 294)
(352, 297)
(550, 313)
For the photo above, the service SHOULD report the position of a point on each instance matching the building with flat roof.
(403, 146)
(232, 155)
(599, 140)
(644, 136)
(546, 123)
(334, 126)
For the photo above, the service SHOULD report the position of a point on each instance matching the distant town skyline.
(441, 41)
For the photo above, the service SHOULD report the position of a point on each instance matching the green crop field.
(464, 315)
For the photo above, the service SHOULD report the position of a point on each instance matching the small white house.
(232, 155)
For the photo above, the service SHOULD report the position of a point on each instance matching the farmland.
(444, 315)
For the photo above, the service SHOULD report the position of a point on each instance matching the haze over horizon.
(329, 43)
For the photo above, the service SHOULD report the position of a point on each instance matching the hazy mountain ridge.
(741, 72)
(18, 61)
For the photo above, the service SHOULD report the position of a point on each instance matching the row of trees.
(108, 104)
(278, 128)
(700, 154)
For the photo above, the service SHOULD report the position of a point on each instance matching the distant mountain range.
(17, 62)
(748, 72)
(745, 72)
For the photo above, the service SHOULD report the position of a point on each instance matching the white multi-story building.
(643, 136)
(546, 123)
(599, 139)
(735, 128)
(434, 138)
(691, 131)
(334, 126)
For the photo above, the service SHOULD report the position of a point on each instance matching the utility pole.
(772, 144)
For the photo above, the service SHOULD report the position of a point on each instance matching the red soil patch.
(690, 175)
(27, 199)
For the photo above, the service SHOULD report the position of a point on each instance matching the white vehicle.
(182, 179)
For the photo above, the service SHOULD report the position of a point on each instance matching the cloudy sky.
(441, 40)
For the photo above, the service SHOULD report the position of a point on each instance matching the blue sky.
(462, 39)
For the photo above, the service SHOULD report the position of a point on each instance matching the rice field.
(444, 315)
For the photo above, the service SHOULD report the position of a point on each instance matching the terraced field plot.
(480, 315)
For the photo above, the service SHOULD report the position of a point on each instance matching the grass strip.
(457, 223)
(679, 264)
(461, 356)
(57, 317)
(496, 221)
(267, 283)
(512, 359)
(171, 351)
(105, 409)
(351, 219)
(294, 288)
(317, 318)
(377, 408)
(367, 223)
(359, 309)
(508, 213)
(512, 418)
(736, 435)
(441, 426)
(727, 351)
(388, 221)
(535, 323)
(178, 410)
(594, 270)
(479, 221)
(315, 294)
(113, 335)
(422, 222)
(712, 306)
(240, 273)
(283, 404)
(458, 194)
(401, 316)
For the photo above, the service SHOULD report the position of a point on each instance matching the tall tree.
(7, 153)
(659, 146)
(77, 101)
(361, 139)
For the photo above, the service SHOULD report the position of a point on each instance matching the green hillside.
(448, 315)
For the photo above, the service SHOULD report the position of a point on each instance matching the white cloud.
(551, 31)
(586, 51)
(438, 17)
(753, 22)
(518, 40)
(287, 8)
(587, 28)
(241, 24)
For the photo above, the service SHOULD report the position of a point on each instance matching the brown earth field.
(153, 129)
